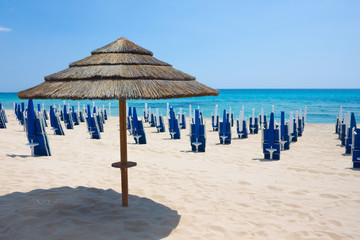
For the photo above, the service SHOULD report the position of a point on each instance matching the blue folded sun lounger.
(271, 141)
(349, 134)
(93, 127)
(356, 148)
(174, 128)
(225, 129)
(55, 122)
(36, 134)
(197, 139)
(138, 129)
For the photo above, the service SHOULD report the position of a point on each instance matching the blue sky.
(224, 44)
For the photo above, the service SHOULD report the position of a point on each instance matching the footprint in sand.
(244, 183)
(274, 188)
(332, 196)
(336, 223)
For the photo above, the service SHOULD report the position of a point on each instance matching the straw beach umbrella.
(120, 70)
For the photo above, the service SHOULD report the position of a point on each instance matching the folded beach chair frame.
(3, 118)
(197, 134)
(355, 148)
(244, 132)
(215, 125)
(160, 127)
(138, 131)
(174, 128)
(225, 136)
(254, 128)
(276, 145)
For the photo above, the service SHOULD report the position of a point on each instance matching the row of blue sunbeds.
(35, 122)
(349, 135)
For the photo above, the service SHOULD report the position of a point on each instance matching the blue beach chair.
(55, 122)
(81, 116)
(41, 114)
(265, 123)
(215, 122)
(75, 116)
(138, 129)
(45, 113)
(284, 133)
(99, 119)
(343, 133)
(242, 131)
(295, 133)
(159, 122)
(197, 135)
(241, 126)
(92, 124)
(254, 125)
(300, 126)
(36, 134)
(182, 120)
(356, 148)
(105, 115)
(174, 129)
(225, 129)
(129, 121)
(152, 120)
(349, 135)
(67, 119)
(215, 119)
(3, 118)
(271, 141)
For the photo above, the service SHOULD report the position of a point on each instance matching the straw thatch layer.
(122, 45)
(119, 59)
(117, 89)
(120, 72)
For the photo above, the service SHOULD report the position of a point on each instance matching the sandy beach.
(228, 192)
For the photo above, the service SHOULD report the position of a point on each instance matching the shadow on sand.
(82, 213)
(265, 160)
(16, 155)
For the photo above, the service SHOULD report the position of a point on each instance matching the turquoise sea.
(322, 104)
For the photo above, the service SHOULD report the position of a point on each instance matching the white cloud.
(4, 29)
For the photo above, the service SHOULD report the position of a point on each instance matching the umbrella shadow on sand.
(82, 213)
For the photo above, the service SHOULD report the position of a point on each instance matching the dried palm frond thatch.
(120, 70)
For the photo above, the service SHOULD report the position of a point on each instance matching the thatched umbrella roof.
(119, 70)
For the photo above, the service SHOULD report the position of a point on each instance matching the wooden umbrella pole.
(123, 152)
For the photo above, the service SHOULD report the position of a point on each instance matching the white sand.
(229, 192)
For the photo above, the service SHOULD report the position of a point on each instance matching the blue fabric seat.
(244, 132)
(137, 129)
(75, 116)
(174, 129)
(35, 129)
(271, 140)
(92, 124)
(254, 128)
(215, 125)
(197, 135)
(182, 123)
(55, 122)
(356, 148)
(225, 129)
(160, 125)
(349, 135)
(284, 131)
(3, 119)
